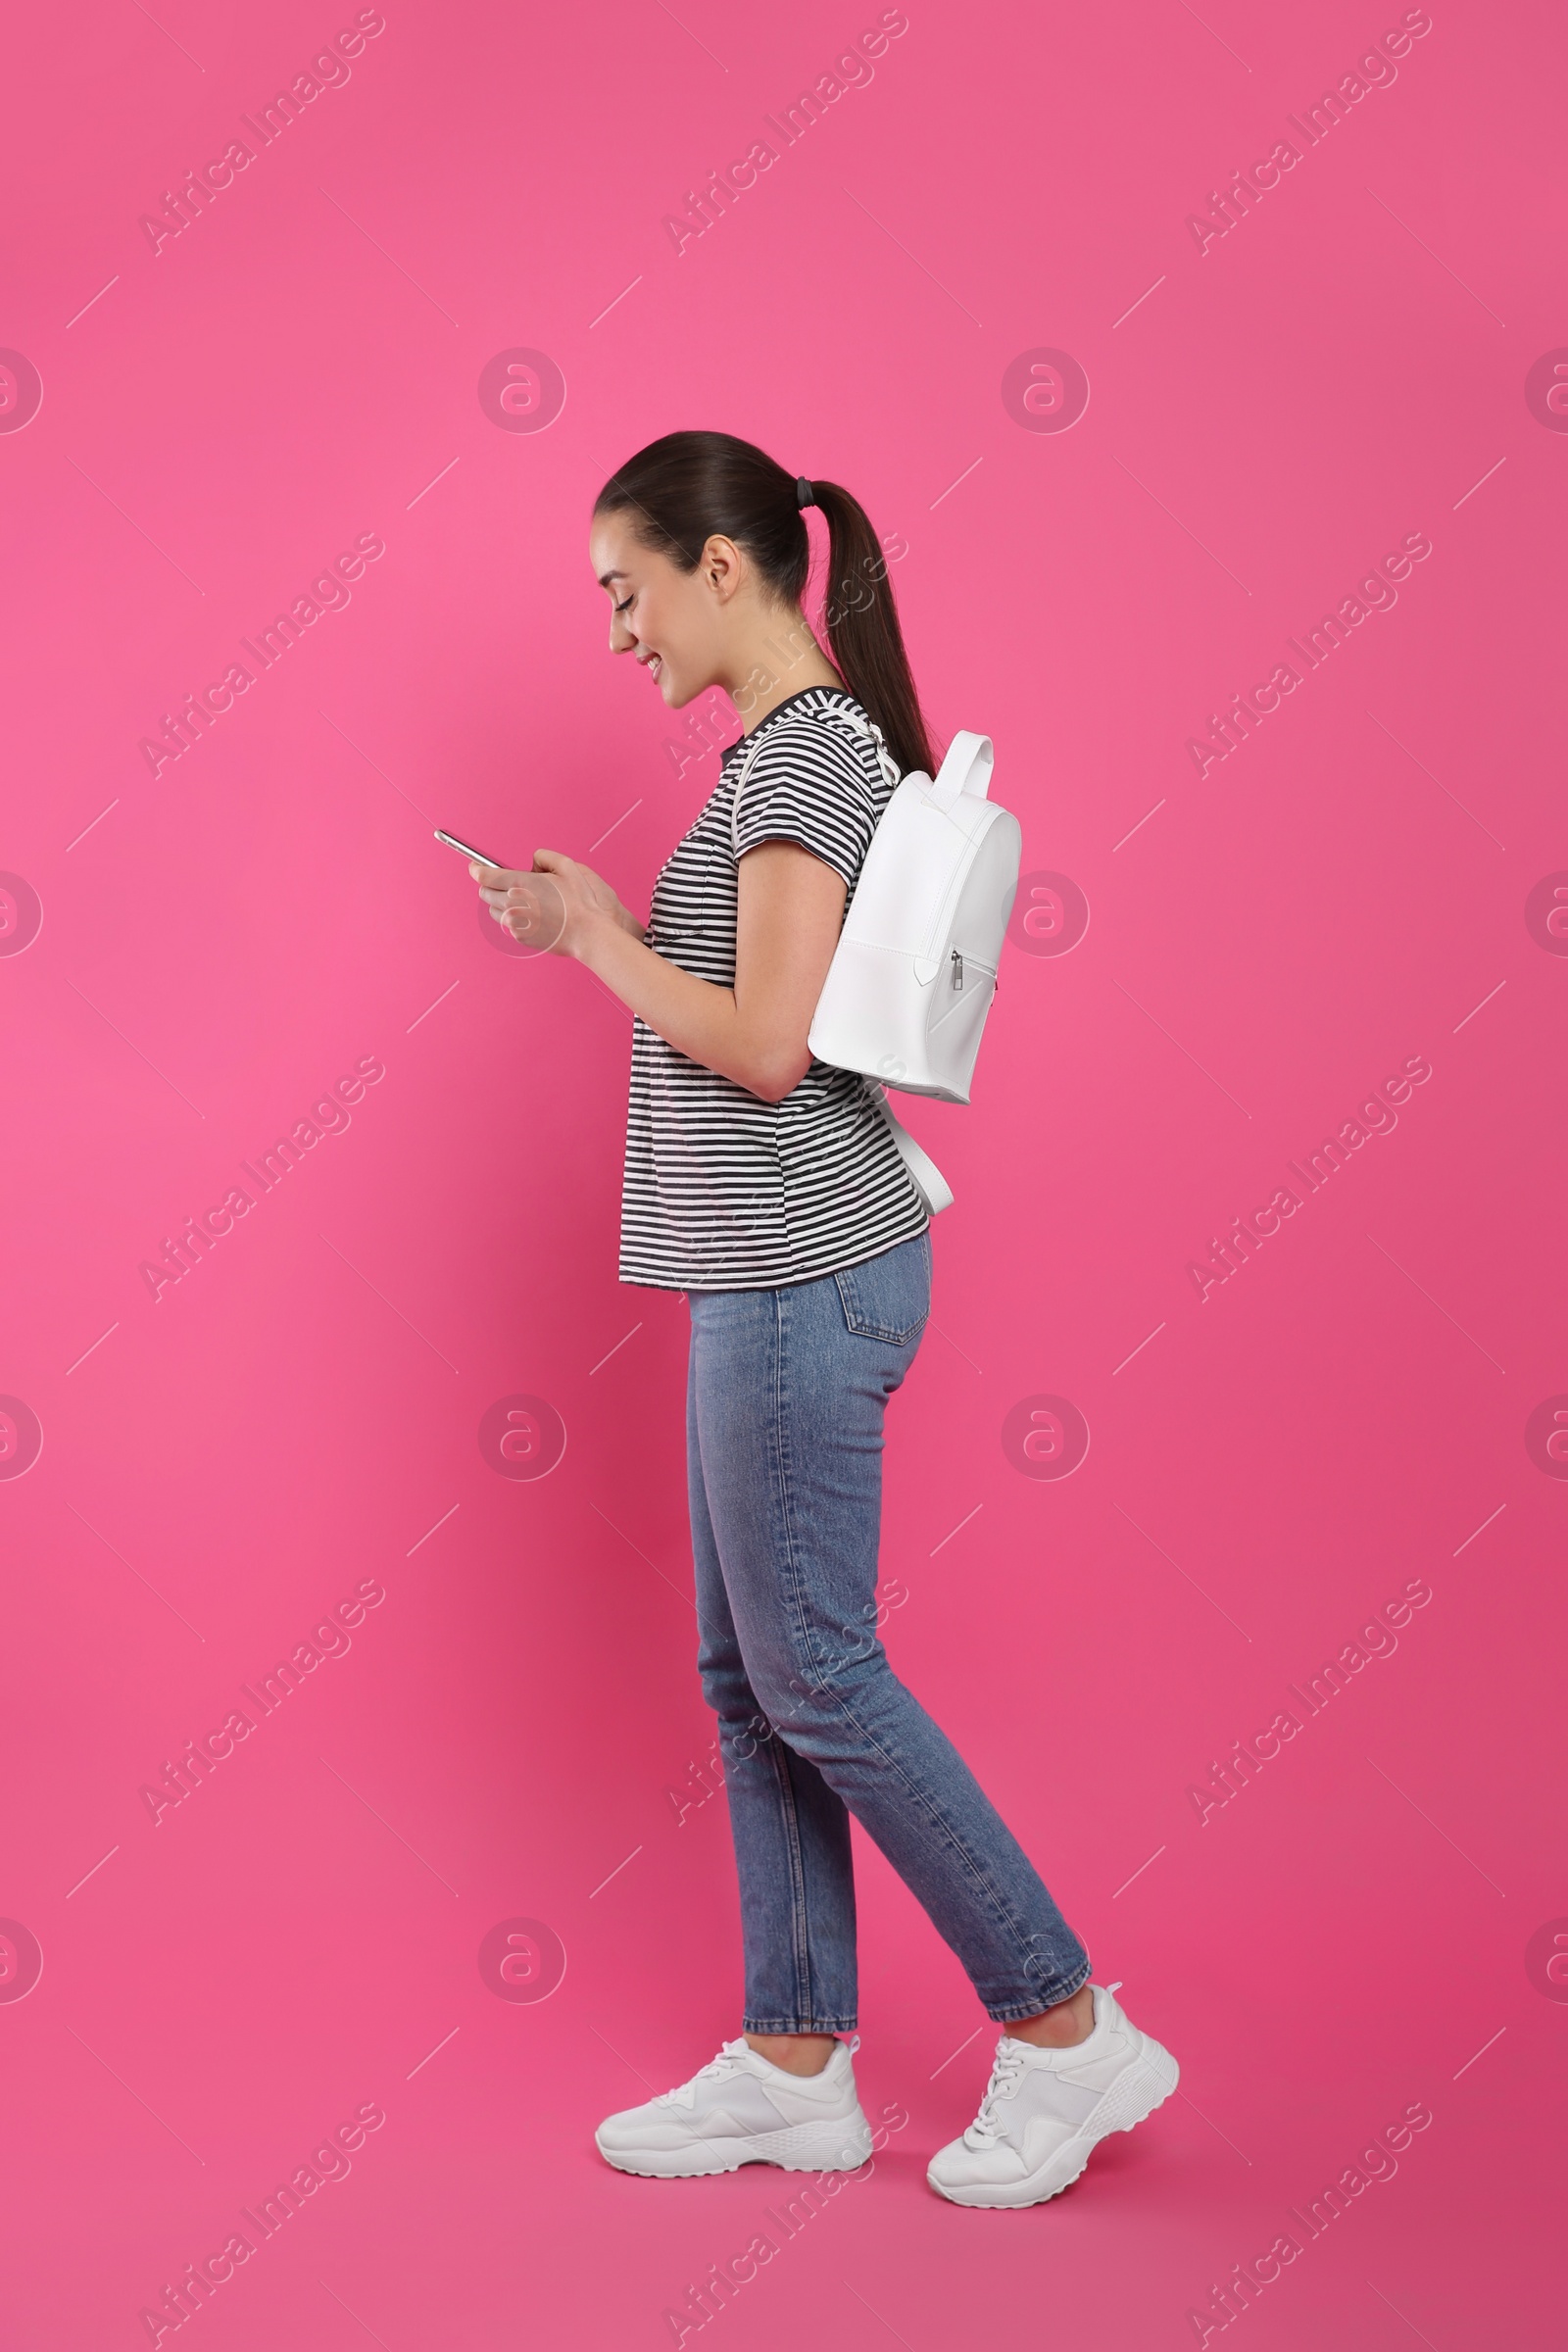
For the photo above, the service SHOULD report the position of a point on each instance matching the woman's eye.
(620, 608)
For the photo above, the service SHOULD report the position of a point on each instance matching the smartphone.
(466, 850)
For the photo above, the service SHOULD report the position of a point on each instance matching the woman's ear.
(721, 566)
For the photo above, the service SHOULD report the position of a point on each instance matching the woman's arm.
(791, 908)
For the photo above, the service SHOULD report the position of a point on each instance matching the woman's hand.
(556, 908)
(790, 912)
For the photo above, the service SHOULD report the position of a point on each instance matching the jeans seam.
(980, 1878)
(795, 2025)
(800, 1923)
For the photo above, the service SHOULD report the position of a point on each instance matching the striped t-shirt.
(722, 1191)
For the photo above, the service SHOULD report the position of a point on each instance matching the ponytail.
(679, 491)
(863, 636)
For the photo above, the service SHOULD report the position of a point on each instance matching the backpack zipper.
(956, 968)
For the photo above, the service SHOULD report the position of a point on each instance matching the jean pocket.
(889, 1298)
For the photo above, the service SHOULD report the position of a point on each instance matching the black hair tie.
(804, 495)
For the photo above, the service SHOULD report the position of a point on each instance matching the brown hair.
(683, 488)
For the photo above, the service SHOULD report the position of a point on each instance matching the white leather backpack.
(914, 971)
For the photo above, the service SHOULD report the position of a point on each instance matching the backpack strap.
(929, 1181)
(889, 766)
(735, 804)
(890, 770)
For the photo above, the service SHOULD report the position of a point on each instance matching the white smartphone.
(465, 849)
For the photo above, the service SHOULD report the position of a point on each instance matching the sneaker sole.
(841, 2147)
(1146, 2084)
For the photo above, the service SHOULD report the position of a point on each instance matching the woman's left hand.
(556, 907)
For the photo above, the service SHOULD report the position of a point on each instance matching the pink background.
(1268, 418)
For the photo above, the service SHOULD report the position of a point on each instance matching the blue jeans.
(785, 1397)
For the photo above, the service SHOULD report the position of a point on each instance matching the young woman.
(768, 1188)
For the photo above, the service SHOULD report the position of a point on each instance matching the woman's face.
(673, 620)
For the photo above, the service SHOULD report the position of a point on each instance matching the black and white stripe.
(723, 1191)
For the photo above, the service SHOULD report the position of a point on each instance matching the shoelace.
(1005, 2069)
(987, 2127)
(684, 2095)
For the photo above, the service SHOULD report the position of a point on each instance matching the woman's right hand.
(533, 907)
(529, 907)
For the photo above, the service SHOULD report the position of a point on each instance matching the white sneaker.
(1043, 2110)
(742, 2109)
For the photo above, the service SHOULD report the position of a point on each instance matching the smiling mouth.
(653, 664)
